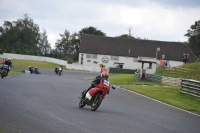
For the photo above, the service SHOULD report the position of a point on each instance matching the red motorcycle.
(95, 95)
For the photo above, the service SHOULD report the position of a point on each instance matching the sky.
(162, 20)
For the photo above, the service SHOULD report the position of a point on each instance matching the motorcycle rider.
(56, 69)
(36, 70)
(9, 63)
(61, 67)
(99, 79)
(30, 69)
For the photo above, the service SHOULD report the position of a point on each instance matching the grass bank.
(189, 71)
(169, 95)
(39, 64)
(12, 72)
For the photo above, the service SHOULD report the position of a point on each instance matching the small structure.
(151, 62)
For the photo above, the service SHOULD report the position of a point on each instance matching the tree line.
(25, 37)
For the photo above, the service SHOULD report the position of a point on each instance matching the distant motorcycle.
(36, 71)
(58, 71)
(4, 70)
(31, 70)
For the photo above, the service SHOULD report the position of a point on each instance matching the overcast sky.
(164, 20)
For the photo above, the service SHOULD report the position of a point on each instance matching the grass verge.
(169, 95)
(39, 64)
(12, 72)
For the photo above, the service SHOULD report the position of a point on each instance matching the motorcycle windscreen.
(90, 94)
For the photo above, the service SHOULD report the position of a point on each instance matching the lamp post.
(158, 49)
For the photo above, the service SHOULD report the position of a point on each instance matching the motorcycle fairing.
(90, 94)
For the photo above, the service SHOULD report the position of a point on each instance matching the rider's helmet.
(9, 59)
(105, 75)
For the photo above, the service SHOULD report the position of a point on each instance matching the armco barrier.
(137, 77)
(190, 87)
(160, 79)
(154, 78)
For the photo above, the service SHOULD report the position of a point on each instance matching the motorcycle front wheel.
(3, 73)
(81, 104)
(96, 103)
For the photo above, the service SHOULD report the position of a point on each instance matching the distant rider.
(30, 69)
(36, 70)
(56, 69)
(9, 63)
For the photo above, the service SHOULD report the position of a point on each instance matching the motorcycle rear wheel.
(96, 103)
(81, 104)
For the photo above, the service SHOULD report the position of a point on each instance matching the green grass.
(169, 95)
(38, 64)
(12, 72)
(122, 79)
(194, 66)
(165, 73)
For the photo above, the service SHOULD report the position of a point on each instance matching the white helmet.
(9, 59)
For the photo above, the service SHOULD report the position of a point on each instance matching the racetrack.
(48, 103)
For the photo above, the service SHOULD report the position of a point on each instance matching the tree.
(91, 31)
(43, 44)
(193, 35)
(126, 36)
(21, 36)
(65, 45)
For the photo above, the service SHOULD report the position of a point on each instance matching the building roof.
(133, 47)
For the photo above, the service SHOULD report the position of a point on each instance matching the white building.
(126, 53)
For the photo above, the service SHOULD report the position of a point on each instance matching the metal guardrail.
(190, 87)
(154, 78)
(137, 77)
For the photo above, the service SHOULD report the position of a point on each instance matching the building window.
(135, 60)
(88, 55)
(92, 56)
(116, 58)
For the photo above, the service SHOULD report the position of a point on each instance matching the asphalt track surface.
(48, 103)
